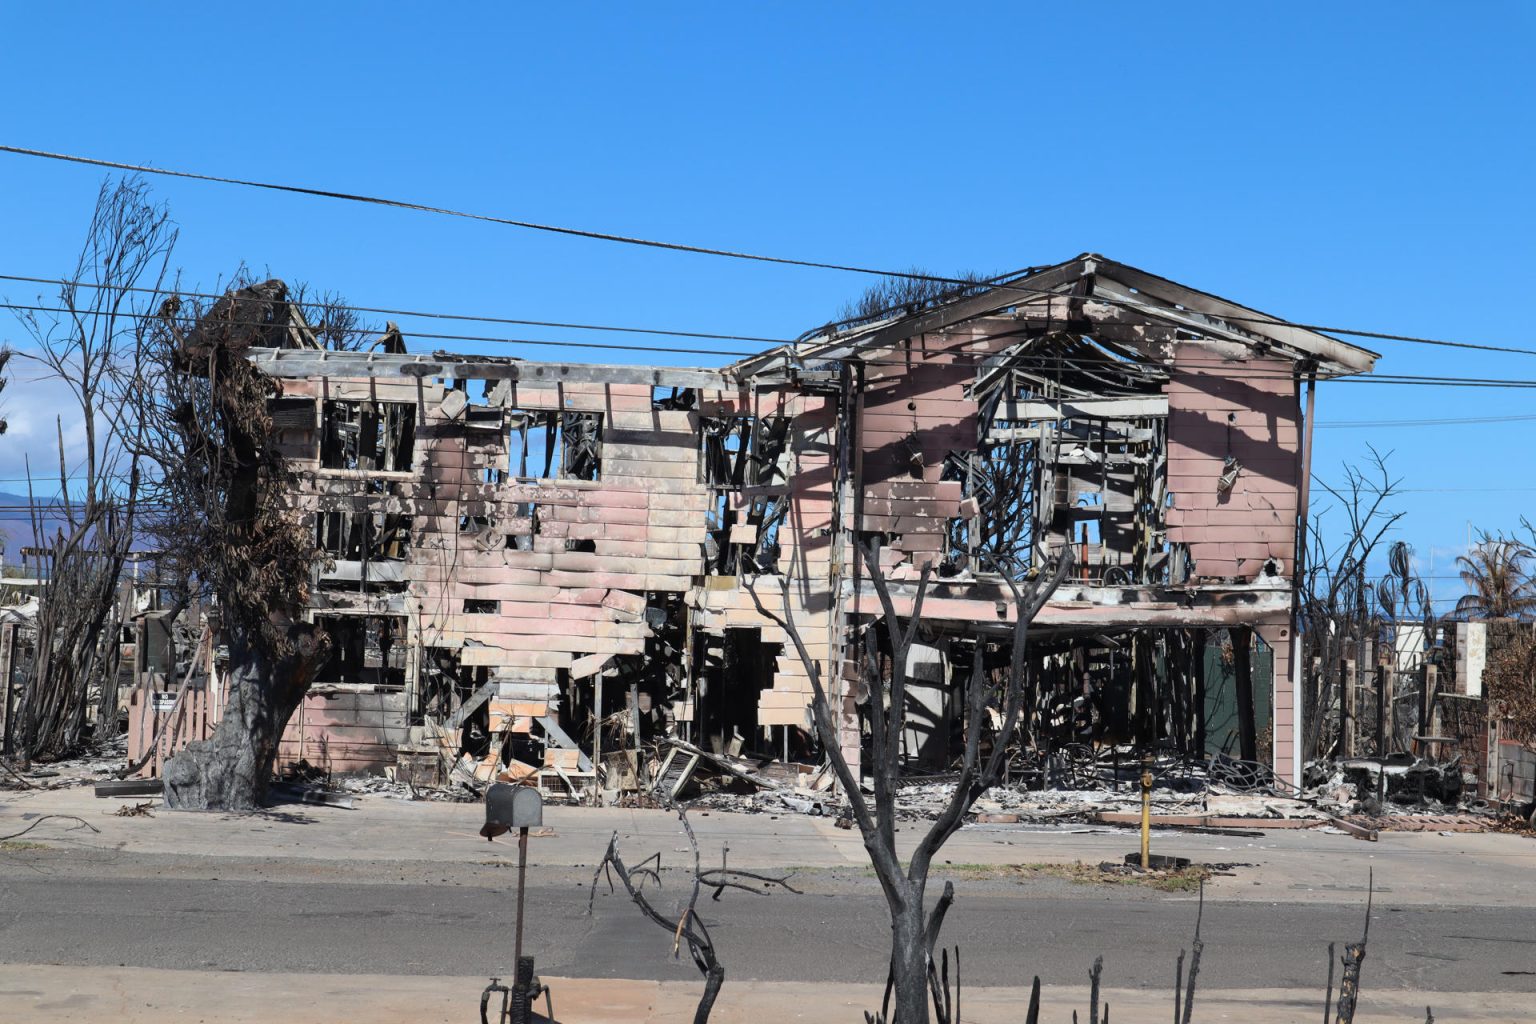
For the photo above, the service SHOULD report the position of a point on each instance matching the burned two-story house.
(524, 550)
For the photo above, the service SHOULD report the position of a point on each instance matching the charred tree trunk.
(230, 770)
(914, 928)
(909, 960)
(233, 528)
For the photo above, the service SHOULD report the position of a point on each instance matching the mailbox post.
(520, 807)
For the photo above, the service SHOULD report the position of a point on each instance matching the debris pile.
(397, 789)
(1102, 789)
(1399, 782)
(87, 769)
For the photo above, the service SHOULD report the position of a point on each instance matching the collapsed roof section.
(1105, 305)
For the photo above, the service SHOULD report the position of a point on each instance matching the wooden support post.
(1383, 710)
(1431, 684)
(1346, 708)
(7, 680)
(1198, 660)
(1381, 733)
(597, 740)
(1242, 663)
(634, 717)
(1426, 700)
(1392, 684)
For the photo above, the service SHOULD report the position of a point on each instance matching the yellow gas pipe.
(1146, 813)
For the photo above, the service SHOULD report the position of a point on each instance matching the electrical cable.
(1424, 422)
(1004, 283)
(1022, 361)
(445, 211)
(383, 311)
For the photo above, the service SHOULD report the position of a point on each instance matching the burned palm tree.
(1497, 573)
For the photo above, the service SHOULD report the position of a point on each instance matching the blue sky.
(1364, 165)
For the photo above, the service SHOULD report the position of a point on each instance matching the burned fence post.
(1382, 733)
(1346, 709)
(1354, 956)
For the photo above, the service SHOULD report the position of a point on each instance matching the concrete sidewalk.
(1287, 865)
(385, 841)
(55, 995)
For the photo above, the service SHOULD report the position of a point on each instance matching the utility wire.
(382, 311)
(1022, 361)
(402, 204)
(997, 284)
(146, 315)
(1425, 422)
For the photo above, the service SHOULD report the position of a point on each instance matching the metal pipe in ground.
(1146, 813)
(522, 877)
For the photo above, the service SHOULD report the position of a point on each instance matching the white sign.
(1410, 645)
(1471, 657)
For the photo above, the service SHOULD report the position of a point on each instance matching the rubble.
(394, 789)
(1219, 796)
(107, 762)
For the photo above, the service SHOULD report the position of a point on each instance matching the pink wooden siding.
(1245, 409)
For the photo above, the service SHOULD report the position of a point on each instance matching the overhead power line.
(1424, 422)
(1012, 285)
(148, 315)
(403, 204)
(382, 311)
(1024, 361)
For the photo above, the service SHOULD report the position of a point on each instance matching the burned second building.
(516, 551)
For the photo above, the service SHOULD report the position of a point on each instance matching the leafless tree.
(334, 323)
(893, 295)
(224, 522)
(1339, 606)
(89, 342)
(915, 928)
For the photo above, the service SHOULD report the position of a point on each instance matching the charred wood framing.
(555, 536)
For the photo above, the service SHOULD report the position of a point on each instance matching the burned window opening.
(1045, 476)
(481, 606)
(748, 456)
(368, 435)
(673, 399)
(293, 419)
(363, 536)
(365, 650)
(995, 531)
(555, 445)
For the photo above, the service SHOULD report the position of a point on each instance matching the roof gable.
(1091, 294)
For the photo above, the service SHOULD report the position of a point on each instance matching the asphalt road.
(411, 928)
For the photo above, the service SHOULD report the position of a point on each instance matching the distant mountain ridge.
(16, 522)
